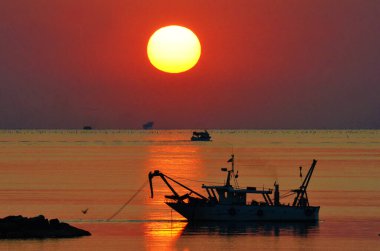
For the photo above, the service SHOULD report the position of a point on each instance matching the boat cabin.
(235, 196)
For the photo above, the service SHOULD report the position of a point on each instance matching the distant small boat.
(201, 136)
(148, 125)
(87, 128)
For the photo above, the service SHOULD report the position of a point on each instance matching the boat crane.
(301, 199)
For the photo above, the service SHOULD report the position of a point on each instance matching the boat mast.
(232, 160)
(231, 172)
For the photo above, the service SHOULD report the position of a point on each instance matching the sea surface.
(59, 173)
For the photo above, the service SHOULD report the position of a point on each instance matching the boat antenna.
(234, 176)
(232, 160)
(230, 144)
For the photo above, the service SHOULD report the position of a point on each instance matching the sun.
(174, 49)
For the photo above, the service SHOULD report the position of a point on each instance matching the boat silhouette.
(148, 125)
(201, 136)
(228, 202)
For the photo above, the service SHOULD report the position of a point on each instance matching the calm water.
(60, 173)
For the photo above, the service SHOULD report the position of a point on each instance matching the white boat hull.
(222, 212)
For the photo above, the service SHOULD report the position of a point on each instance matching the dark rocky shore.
(19, 227)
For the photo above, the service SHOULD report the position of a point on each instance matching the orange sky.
(264, 64)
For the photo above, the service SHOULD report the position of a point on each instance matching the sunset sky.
(285, 64)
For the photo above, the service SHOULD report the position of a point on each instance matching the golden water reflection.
(182, 162)
(164, 233)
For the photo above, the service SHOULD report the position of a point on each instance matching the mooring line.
(126, 203)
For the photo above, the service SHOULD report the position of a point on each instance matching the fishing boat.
(228, 202)
(201, 136)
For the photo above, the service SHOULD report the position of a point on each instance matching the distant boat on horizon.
(148, 125)
(87, 127)
(201, 136)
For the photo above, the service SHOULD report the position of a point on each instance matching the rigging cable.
(126, 203)
(289, 193)
(199, 181)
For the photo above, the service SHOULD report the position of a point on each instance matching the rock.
(54, 222)
(19, 227)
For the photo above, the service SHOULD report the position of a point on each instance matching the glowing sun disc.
(174, 49)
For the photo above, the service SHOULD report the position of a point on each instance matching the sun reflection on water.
(176, 161)
(166, 233)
